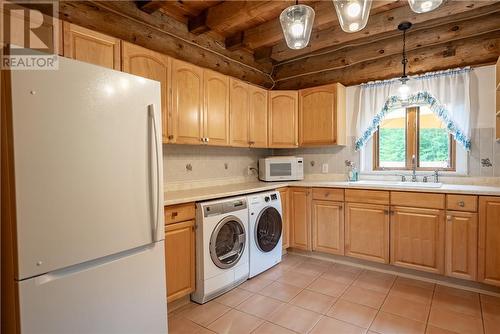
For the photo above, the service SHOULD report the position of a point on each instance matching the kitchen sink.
(398, 184)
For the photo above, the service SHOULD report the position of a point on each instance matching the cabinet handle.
(448, 218)
(251, 142)
(170, 137)
(461, 204)
(174, 214)
(386, 212)
(207, 140)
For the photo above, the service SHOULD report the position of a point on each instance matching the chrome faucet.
(414, 169)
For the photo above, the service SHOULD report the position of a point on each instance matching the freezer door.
(120, 295)
(87, 165)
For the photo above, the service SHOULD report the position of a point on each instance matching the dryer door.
(268, 229)
(227, 242)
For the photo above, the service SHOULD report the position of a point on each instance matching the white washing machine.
(266, 230)
(222, 255)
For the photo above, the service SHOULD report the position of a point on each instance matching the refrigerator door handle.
(156, 217)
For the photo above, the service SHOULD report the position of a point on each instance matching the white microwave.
(281, 168)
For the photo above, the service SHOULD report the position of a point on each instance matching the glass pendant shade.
(403, 91)
(352, 14)
(424, 6)
(296, 22)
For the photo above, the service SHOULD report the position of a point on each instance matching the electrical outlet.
(324, 168)
(249, 171)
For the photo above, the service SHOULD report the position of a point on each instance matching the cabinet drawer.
(328, 194)
(461, 203)
(418, 200)
(367, 196)
(179, 213)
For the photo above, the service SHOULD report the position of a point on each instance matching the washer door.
(227, 242)
(268, 229)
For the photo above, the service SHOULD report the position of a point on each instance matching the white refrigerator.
(87, 161)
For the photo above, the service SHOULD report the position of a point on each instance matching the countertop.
(208, 193)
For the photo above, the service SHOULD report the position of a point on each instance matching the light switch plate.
(324, 168)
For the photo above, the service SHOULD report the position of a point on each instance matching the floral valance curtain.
(445, 92)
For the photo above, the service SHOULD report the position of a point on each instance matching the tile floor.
(303, 295)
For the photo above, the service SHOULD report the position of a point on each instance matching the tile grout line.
(430, 308)
(380, 308)
(482, 316)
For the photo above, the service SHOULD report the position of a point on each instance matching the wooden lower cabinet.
(461, 245)
(300, 222)
(417, 238)
(180, 259)
(328, 227)
(367, 231)
(285, 216)
(489, 240)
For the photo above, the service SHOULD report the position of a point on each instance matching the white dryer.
(266, 230)
(222, 256)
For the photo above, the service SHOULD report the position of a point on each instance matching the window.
(413, 131)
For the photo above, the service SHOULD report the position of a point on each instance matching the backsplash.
(209, 165)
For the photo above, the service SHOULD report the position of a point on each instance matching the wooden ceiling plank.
(270, 33)
(232, 16)
(262, 54)
(95, 15)
(377, 24)
(149, 6)
(163, 22)
(416, 39)
(473, 51)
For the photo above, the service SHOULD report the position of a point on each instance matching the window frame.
(412, 129)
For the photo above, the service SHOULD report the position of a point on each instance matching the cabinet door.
(318, 116)
(155, 66)
(285, 213)
(180, 259)
(187, 102)
(91, 47)
(216, 110)
(283, 118)
(328, 227)
(417, 239)
(300, 222)
(258, 117)
(461, 245)
(239, 111)
(489, 240)
(367, 231)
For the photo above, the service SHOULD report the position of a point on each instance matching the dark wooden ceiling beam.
(348, 55)
(262, 54)
(384, 22)
(270, 33)
(198, 24)
(123, 20)
(474, 51)
(149, 6)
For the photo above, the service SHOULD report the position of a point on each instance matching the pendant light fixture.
(296, 22)
(352, 14)
(424, 6)
(403, 89)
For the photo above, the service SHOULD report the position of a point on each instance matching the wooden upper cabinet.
(367, 231)
(180, 259)
(239, 111)
(322, 116)
(461, 245)
(155, 66)
(489, 240)
(91, 47)
(283, 119)
(216, 108)
(328, 227)
(187, 102)
(257, 117)
(285, 216)
(417, 238)
(300, 222)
